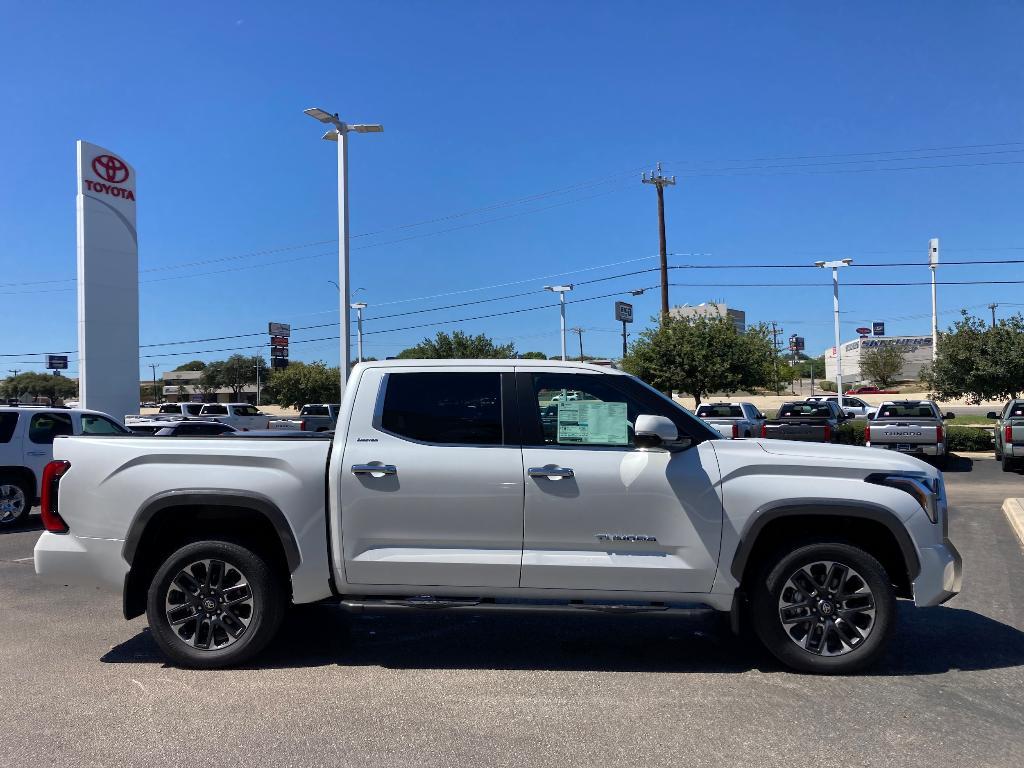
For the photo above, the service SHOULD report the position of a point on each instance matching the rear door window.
(44, 427)
(444, 408)
(805, 410)
(100, 425)
(720, 412)
(8, 421)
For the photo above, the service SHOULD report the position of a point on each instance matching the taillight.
(52, 473)
(938, 434)
(302, 425)
(735, 430)
(1008, 435)
(867, 432)
(764, 430)
(828, 433)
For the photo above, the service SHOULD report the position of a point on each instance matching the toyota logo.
(110, 168)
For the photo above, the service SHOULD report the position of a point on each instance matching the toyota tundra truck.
(815, 421)
(1009, 435)
(732, 419)
(444, 489)
(909, 426)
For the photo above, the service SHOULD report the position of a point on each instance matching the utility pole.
(156, 396)
(775, 357)
(579, 331)
(933, 263)
(660, 182)
(14, 371)
(258, 366)
(993, 308)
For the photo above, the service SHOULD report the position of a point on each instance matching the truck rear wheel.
(826, 608)
(1009, 465)
(214, 604)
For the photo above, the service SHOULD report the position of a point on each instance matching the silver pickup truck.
(812, 422)
(733, 419)
(314, 417)
(909, 426)
(1009, 434)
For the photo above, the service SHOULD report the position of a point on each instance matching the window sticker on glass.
(591, 422)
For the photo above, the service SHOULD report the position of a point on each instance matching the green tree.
(532, 356)
(302, 383)
(882, 364)
(212, 379)
(979, 362)
(701, 355)
(193, 365)
(458, 345)
(57, 388)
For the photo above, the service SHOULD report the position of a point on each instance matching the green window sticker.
(592, 422)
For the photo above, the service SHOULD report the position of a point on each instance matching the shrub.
(827, 386)
(968, 439)
(851, 433)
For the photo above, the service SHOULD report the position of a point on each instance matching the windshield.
(720, 411)
(314, 410)
(804, 410)
(907, 410)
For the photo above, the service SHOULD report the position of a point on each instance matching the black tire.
(231, 636)
(942, 462)
(16, 499)
(773, 586)
(1009, 465)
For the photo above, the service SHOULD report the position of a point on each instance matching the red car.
(870, 391)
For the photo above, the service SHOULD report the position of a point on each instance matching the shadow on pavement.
(928, 641)
(955, 463)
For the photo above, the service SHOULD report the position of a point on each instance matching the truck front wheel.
(826, 608)
(214, 604)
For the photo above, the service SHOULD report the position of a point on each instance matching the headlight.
(928, 491)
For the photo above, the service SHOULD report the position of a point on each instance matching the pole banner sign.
(108, 282)
(878, 329)
(57, 362)
(623, 311)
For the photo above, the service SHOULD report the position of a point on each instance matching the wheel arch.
(875, 528)
(26, 475)
(168, 519)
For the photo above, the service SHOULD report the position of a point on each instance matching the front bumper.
(65, 559)
(941, 574)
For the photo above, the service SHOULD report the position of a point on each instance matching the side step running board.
(385, 605)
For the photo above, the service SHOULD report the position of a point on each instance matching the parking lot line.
(1014, 511)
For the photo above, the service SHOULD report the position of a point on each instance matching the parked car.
(167, 410)
(314, 417)
(1009, 434)
(26, 447)
(181, 428)
(239, 415)
(733, 419)
(815, 422)
(445, 491)
(869, 390)
(851, 405)
(909, 426)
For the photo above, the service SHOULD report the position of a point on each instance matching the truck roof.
(496, 363)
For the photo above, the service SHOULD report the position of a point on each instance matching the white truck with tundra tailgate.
(449, 485)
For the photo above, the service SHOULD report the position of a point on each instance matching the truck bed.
(809, 430)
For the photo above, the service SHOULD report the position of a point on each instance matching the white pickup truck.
(733, 419)
(450, 485)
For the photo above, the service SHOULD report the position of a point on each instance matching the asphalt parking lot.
(82, 687)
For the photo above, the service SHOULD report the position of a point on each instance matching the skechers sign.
(113, 176)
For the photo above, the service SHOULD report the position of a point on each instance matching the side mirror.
(654, 431)
(991, 415)
(949, 415)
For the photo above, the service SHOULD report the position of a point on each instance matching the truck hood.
(872, 459)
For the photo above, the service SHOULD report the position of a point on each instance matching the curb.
(1014, 511)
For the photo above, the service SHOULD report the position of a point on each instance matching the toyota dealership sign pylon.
(108, 283)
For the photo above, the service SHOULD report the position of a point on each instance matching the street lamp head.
(847, 262)
(637, 292)
(819, 263)
(558, 288)
(358, 305)
(834, 264)
(322, 115)
(331, 135)
(367, 128)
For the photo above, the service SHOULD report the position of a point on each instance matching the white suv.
(26, 445)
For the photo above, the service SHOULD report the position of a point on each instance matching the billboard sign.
(108, 281)
(279, 341)
(280, 329)
(878, 329)
(57, 362)
(624, 311)
(863, 331)
(279, 362)
(279, 351)
(796, 343)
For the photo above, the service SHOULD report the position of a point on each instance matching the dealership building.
(917, 354)
(181, 386)
(712, 309)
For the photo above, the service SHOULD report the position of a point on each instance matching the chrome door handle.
(550, 472)
(377, 470)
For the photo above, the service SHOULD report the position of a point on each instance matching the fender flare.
(824, 508)
(212, 497)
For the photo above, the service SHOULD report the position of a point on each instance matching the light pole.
(359, 306)
(834, 266)
(561, 290)
(258, 366)
(339, 133)
(933, 262)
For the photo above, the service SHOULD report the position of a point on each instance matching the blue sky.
(485, 104)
